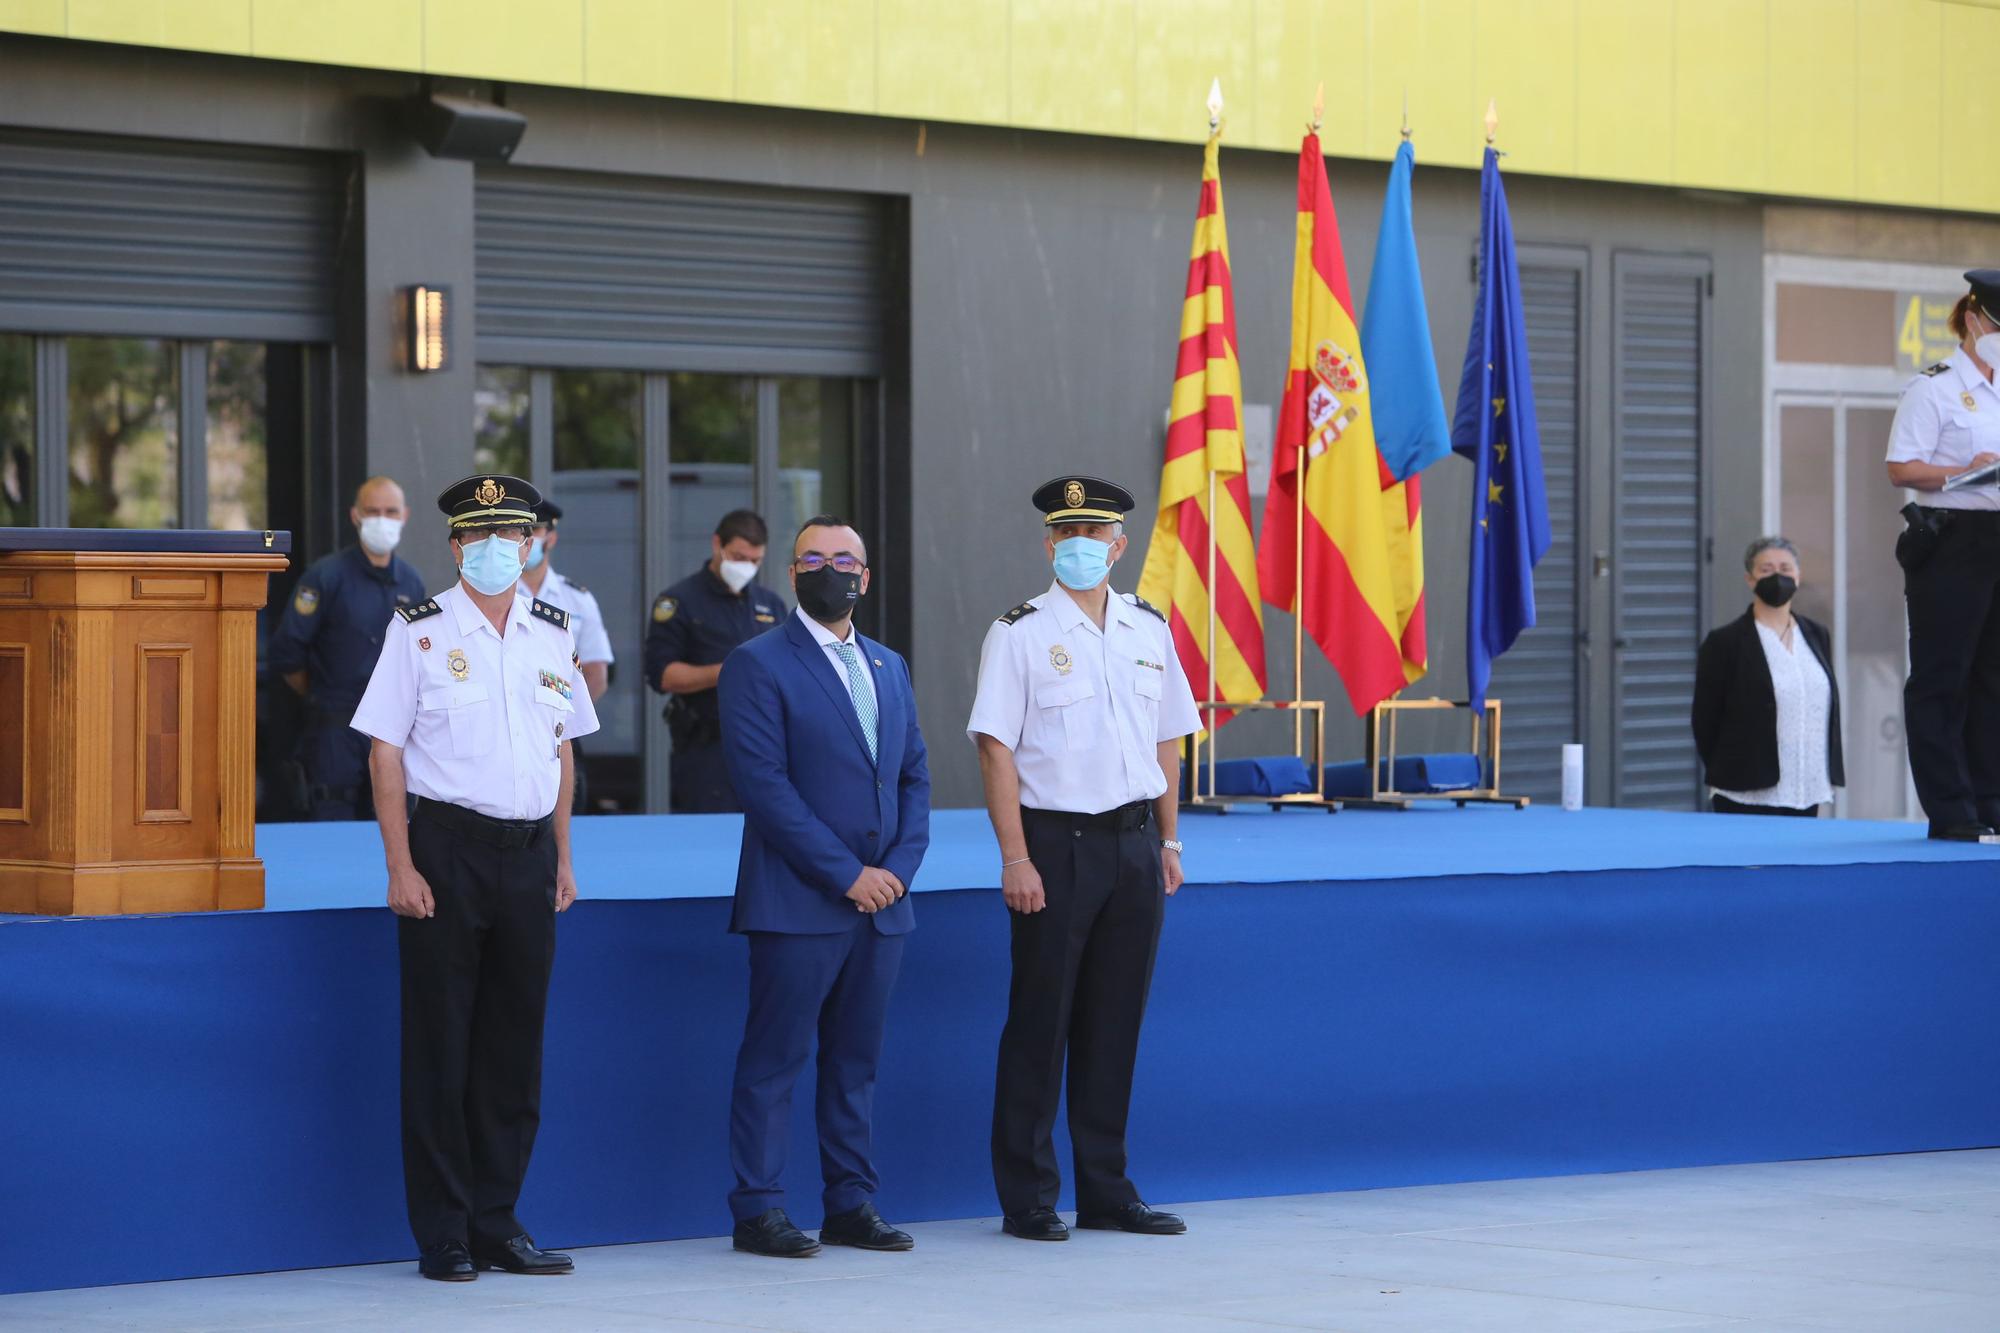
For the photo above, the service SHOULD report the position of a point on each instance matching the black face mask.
(826, 594)
(1776, 589)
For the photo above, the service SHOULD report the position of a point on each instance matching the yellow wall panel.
(955, 71)
(1970, 175)
(809, 53)
(1624, 91)
(373, 34)
(1811, 96)
(212, 25)
(1525, 61)
(1424, 47)
(1181, 48)
(1899, 101)
(1300, 44)
(676, 48)
(46, 18)
(531, 41)
(1721, 69)
(1071, 66)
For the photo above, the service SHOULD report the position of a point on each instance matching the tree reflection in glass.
(123, 438)
(238, 453)
(17, 430)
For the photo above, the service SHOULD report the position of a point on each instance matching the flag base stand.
(1382, 793)
(1308, 746)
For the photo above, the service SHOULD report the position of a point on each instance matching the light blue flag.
(1410, 426)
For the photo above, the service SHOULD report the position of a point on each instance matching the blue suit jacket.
(815, 809)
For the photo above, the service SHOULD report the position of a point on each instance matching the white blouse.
(1805, 699)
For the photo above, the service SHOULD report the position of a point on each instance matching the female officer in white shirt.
(1949, 423)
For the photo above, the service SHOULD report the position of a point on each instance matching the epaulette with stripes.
(423, 610)
(1144, 605)
(555, 615)
(1024, 609)
(1938, 369)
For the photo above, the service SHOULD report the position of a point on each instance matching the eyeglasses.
(813, 562)
(511, 534)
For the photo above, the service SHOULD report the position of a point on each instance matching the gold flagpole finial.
(1319, 106)
(1215, 105)
(1492, 121)
(1406, 113)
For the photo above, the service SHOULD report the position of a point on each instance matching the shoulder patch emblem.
(421, 611)
(578, 586)
(1144, 605)
(664, 608)
(1020, 612)
(555, 615)
(306, 601)
(1938, 369)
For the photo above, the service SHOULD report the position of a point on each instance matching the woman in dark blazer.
(1766, 704)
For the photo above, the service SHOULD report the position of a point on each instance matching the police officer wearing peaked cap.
(1947, 423)
(1079, 715)
(471, 710)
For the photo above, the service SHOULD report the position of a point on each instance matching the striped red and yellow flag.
(1362, 589)
(1205, 435)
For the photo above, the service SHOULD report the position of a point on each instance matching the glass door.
(1836, 505)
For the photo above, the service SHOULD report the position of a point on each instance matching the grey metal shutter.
(1660, 417)
(1537, 680)
(640, 273)
(129, 236)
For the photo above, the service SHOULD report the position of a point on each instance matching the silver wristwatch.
(1172, 845)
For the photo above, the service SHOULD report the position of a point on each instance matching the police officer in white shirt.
(540, 578)
(1079, 716)
(471, 709)
(1947, 423)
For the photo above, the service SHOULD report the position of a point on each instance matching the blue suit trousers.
(837, 988)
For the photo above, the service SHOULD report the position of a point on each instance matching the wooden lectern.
(128, 717)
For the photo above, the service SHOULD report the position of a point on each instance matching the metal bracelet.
(1023, 861)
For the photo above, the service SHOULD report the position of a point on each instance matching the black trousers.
(475, 986)
(1723, 805)
(1951, 702)
(1082, 967)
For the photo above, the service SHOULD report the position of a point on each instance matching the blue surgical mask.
(491, 566)
(1082, 563)
(534, 554)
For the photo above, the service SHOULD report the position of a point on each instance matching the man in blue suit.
(819, 729)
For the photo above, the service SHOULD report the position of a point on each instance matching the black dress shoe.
(773, 1236)
(448, 1261)
(519, 1255)
(1968, 832)
(1036, 1224)
(864, 1229)
(1134, 1217)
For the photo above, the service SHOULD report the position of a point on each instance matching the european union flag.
(1495, 428)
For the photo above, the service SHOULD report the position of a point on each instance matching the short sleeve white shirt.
(479, 716)
(1948, 416)
(586, 620)
(1083, 709)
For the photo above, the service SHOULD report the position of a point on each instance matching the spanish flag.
(1205, 435)
(1353, 602)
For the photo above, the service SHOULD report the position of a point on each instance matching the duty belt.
(487, 829)
(1122, 818)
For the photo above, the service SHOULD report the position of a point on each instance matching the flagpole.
(1214, 133)
(1299, 541)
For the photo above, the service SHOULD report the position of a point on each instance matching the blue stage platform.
(1342, 1002)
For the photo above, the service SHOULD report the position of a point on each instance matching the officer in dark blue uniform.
(327, 643)
(694, 625)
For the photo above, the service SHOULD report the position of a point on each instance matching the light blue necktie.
(857, 688)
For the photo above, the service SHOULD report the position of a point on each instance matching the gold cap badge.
(1073, 494)
(489, 492)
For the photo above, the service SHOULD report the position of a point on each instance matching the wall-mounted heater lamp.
(428, 311)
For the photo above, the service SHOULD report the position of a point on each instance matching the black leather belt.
(1122, 818)
(1940, 518)
(487, 829)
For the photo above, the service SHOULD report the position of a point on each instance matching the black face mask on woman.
(826, 594)
(1776, 589)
